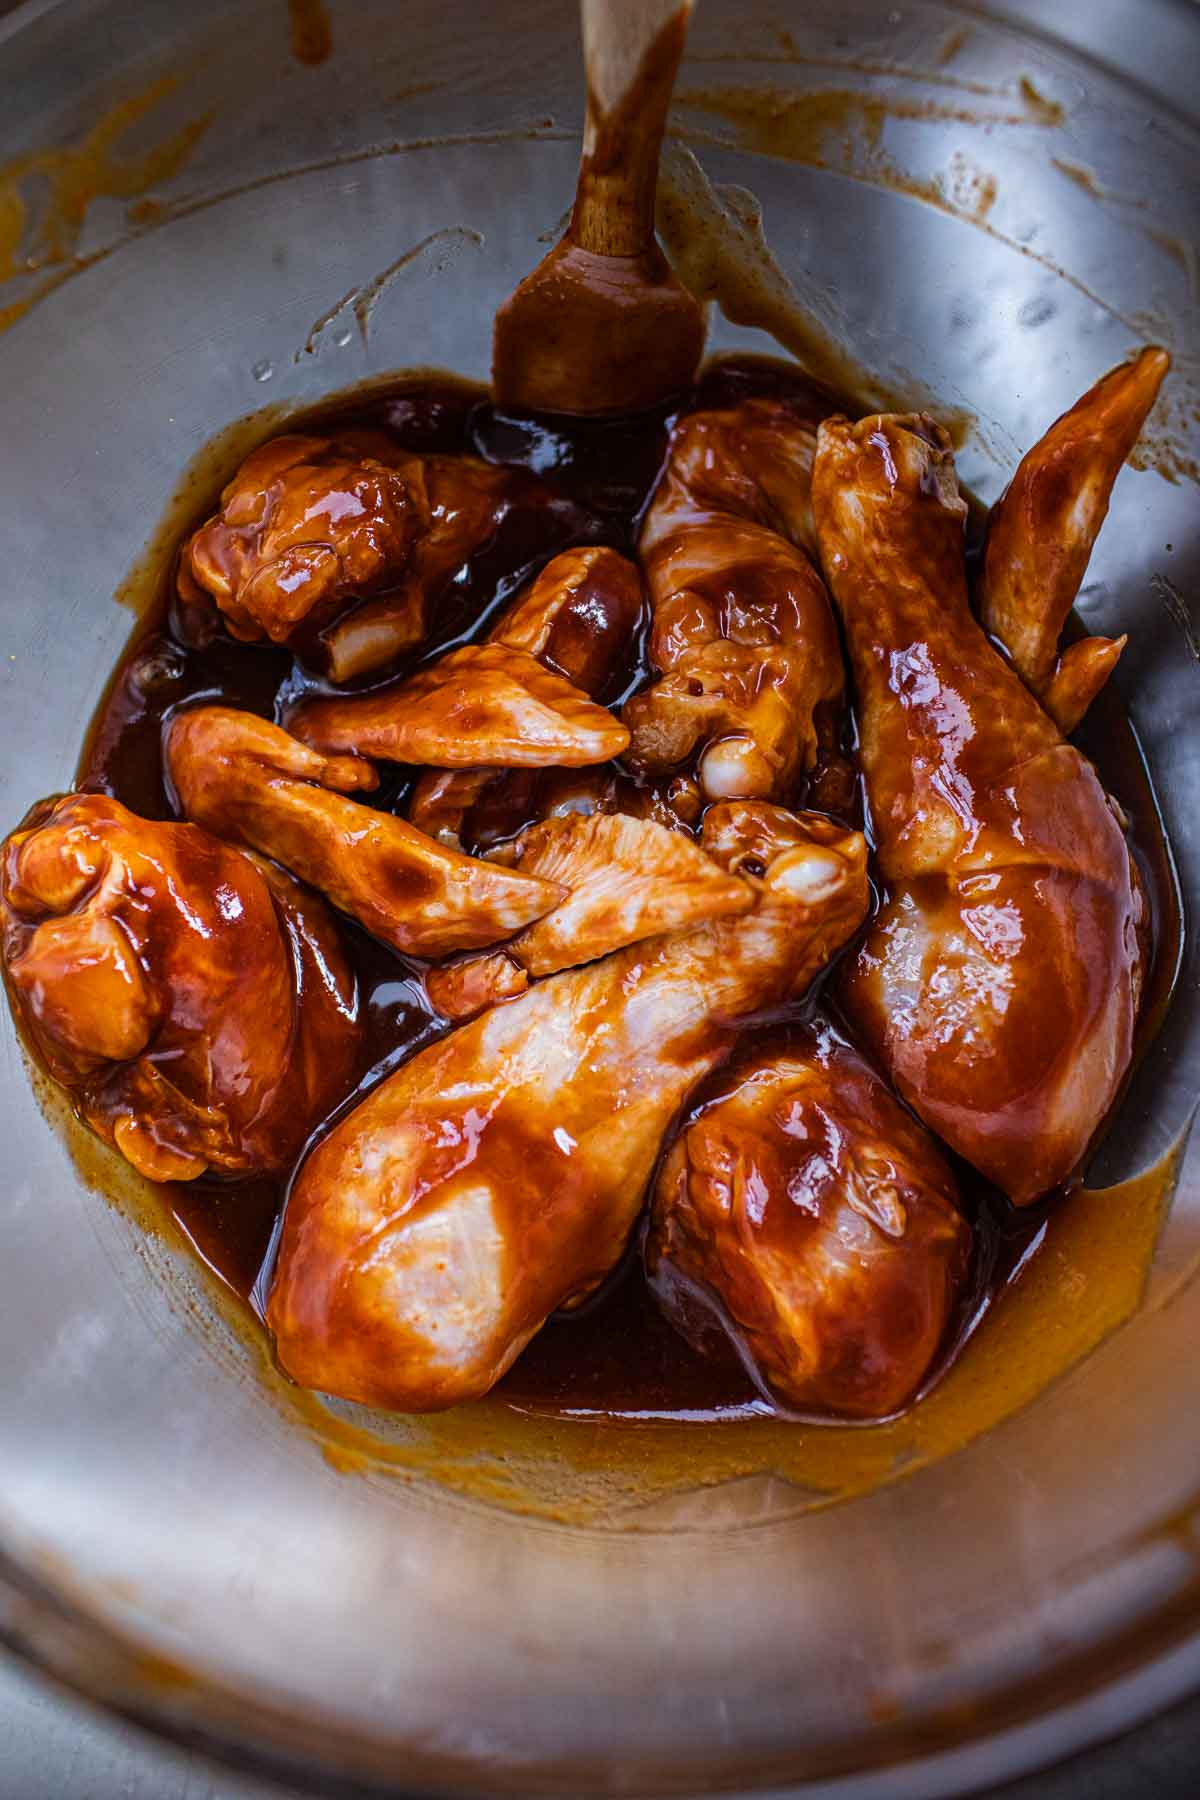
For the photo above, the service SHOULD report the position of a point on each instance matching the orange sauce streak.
(45, 194)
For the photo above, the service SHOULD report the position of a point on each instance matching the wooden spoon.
(602, 325)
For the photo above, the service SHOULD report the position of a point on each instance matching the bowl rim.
(1126, 1682)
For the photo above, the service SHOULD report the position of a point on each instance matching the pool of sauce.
(616, 1357)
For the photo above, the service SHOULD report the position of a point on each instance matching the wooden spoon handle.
(632, 50)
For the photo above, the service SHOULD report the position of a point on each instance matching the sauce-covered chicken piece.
(497, 1175)
(306, 524)
(1041, 533)
(486, 703)
(311, 527)
(474, 507)
(245, 779)
(999, 982)
(577, 617)
(195, 1002)
(820, 1222)
(624, 880)
(742, 629)
(462, 989)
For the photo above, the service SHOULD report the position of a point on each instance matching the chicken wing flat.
(484, 704)
(820, 1221)
(311, 527)
(998, 984)
(247, 780)
(1041, 533)
(497, 1175)
(195, 1002)
(751, 669)
(577, 617)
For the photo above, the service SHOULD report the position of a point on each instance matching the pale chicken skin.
(247, 780)
(624, 880)
(498, 1174)
(577, 617)
(998, 984)
(486, 703)
(311, 527)
(195, 1003)
(821, 1222)
(1042, 529)
(743, 634)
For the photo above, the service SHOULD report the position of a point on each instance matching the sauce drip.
(616, 1357)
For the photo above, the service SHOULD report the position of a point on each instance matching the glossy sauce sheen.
(616, 1356)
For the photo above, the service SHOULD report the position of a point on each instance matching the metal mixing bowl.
(999, 199)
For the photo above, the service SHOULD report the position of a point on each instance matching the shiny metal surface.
(174, 1539)
(55, 1747)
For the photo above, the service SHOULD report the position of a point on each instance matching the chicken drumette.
(821, 1221)
(742, 629)
(194, 1001)
(311, 528)
(497, 1175)
(999, 982)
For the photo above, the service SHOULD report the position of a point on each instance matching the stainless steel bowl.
(999, 199)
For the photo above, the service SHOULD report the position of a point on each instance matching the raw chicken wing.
(245, 779)
(625, 879)
(742, 632)
(1041, 533)
(195, 1002)
(998, 984)
(820, 1221)
(306, 525)
(310, 527)
(577, 617)
(482, 704)
(497, 1175)
(472, 507)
